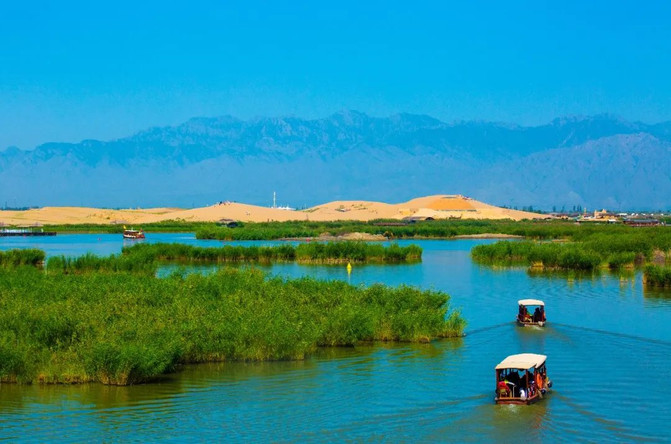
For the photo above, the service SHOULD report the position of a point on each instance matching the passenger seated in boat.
(502, 387)
(539, 380)
(524, 315)
(514, 380)
(533, 388)
(537, 315)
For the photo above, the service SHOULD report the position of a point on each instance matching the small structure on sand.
(229, 223)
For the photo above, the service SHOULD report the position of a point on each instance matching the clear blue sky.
(76, 70)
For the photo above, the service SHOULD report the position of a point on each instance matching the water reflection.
(657, 297)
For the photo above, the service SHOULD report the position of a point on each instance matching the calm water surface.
(608, 345)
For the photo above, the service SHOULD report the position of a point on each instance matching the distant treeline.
(125, 328)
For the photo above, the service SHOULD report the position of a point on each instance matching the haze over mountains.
(598, 161)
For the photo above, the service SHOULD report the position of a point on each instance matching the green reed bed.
(340, 252)
(657, 276)
(169, 226)
(602, 246)
(312, 252)
(551, 255)
(126, 328)
(438, 229)
(113, 263)
(18, 257)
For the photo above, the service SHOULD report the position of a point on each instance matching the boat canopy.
(522, 361)
(530, 302)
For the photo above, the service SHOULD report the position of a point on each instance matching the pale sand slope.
(438, 207)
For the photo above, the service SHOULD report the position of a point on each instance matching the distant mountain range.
(598, 161)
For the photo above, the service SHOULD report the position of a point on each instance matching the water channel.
(608, 343)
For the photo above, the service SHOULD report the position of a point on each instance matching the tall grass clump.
(547, 255)
(657, 276)
(92, 263)
(348, 251)
(125, 328)
(621, 260)
(19, 257)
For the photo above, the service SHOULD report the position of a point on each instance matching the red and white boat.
(133, 234)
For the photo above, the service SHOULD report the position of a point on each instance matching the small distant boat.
(133, 234)
(525, 318)
(14, 232)
(522, 379)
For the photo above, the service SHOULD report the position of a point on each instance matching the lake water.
(608, 344)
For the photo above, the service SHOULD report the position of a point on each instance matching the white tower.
(274, 200)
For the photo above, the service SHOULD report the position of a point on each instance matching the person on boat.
(539, 380)
(537, 314)
(513, 379)
(502, 387)
(532, 389)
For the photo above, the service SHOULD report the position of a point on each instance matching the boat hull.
(133, 236)
(531, 324)
(518, 401)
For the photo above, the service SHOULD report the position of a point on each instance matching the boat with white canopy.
(526, 318)
(522, 379)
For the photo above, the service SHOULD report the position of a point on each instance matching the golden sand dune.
(436, 207)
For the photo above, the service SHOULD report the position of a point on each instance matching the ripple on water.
(606, 342)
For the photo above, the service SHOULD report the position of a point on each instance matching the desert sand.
(436, 207)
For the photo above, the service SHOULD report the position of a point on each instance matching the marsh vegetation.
(112, 320)
(620, 247)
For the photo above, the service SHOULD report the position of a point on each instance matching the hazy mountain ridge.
(624, 171)
(591, 161)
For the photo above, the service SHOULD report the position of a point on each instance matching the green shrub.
(656, 276)
(19, 257)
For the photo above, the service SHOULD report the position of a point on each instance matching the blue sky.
(76, 70)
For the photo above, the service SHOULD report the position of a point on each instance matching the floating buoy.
(349, 267)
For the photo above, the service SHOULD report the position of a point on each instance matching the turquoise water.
(608, 344)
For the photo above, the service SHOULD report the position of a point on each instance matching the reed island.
(112, 320)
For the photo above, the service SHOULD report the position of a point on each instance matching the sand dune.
(437, 207)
